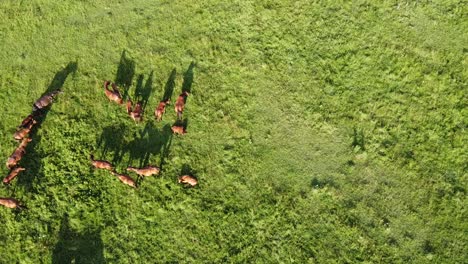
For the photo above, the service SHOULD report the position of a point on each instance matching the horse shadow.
(60, 77)
(143, 92)
(150, 142)
(111, 141)
(165, 149)
(169, 87)
(125, 73)
(31, 159)
(188, 79)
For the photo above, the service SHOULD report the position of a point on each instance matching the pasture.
(319, 131)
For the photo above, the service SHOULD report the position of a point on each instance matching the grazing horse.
(45, 100)
(178, 130)
(18, 153)
(13, 173)
(159, 111)
(10, 203)
(188, 180)
(101, 164)
(180, 104)
(137, 113)
(125, 179)
(25, 128)
(26, 121)
(114, 94)
(146, 171)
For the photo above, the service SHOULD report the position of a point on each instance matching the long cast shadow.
(142, 93)
(136, 94)
(60, 77)
(169, 87)
(150, 142)
(138, 87)
(31, 160)
(165, 149)
(188, 78)
(111, 140)
(74, 247)
(125, 73)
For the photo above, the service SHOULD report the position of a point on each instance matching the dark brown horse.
(26, 121)
(45, 100)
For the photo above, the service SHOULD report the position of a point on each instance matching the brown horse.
(13, 173)
(26, 121)
(24, 128)
(101, 164)
(125, 179)
(10, 203)
(18, 153)
(45, 100)
(178, 130)
(146, 171)
(114, 94)
(180, 104)
(159, 111)
(188, 180)
(137, 113)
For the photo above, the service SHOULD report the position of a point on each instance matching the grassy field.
(320, 131)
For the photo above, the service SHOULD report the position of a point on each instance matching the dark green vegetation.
(320, 131)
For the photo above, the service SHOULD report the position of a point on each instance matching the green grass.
(320, 131)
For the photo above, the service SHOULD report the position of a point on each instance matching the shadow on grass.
(142, 93)
(31, 160)
(165, 149)
(188, 79)
(169, 87)
(74, 247)
(188, 170)
(125, 73)
(60, 77)
(111, 140)
(138, 87)
(150, 142)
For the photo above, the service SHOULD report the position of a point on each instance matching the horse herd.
(113, 94)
